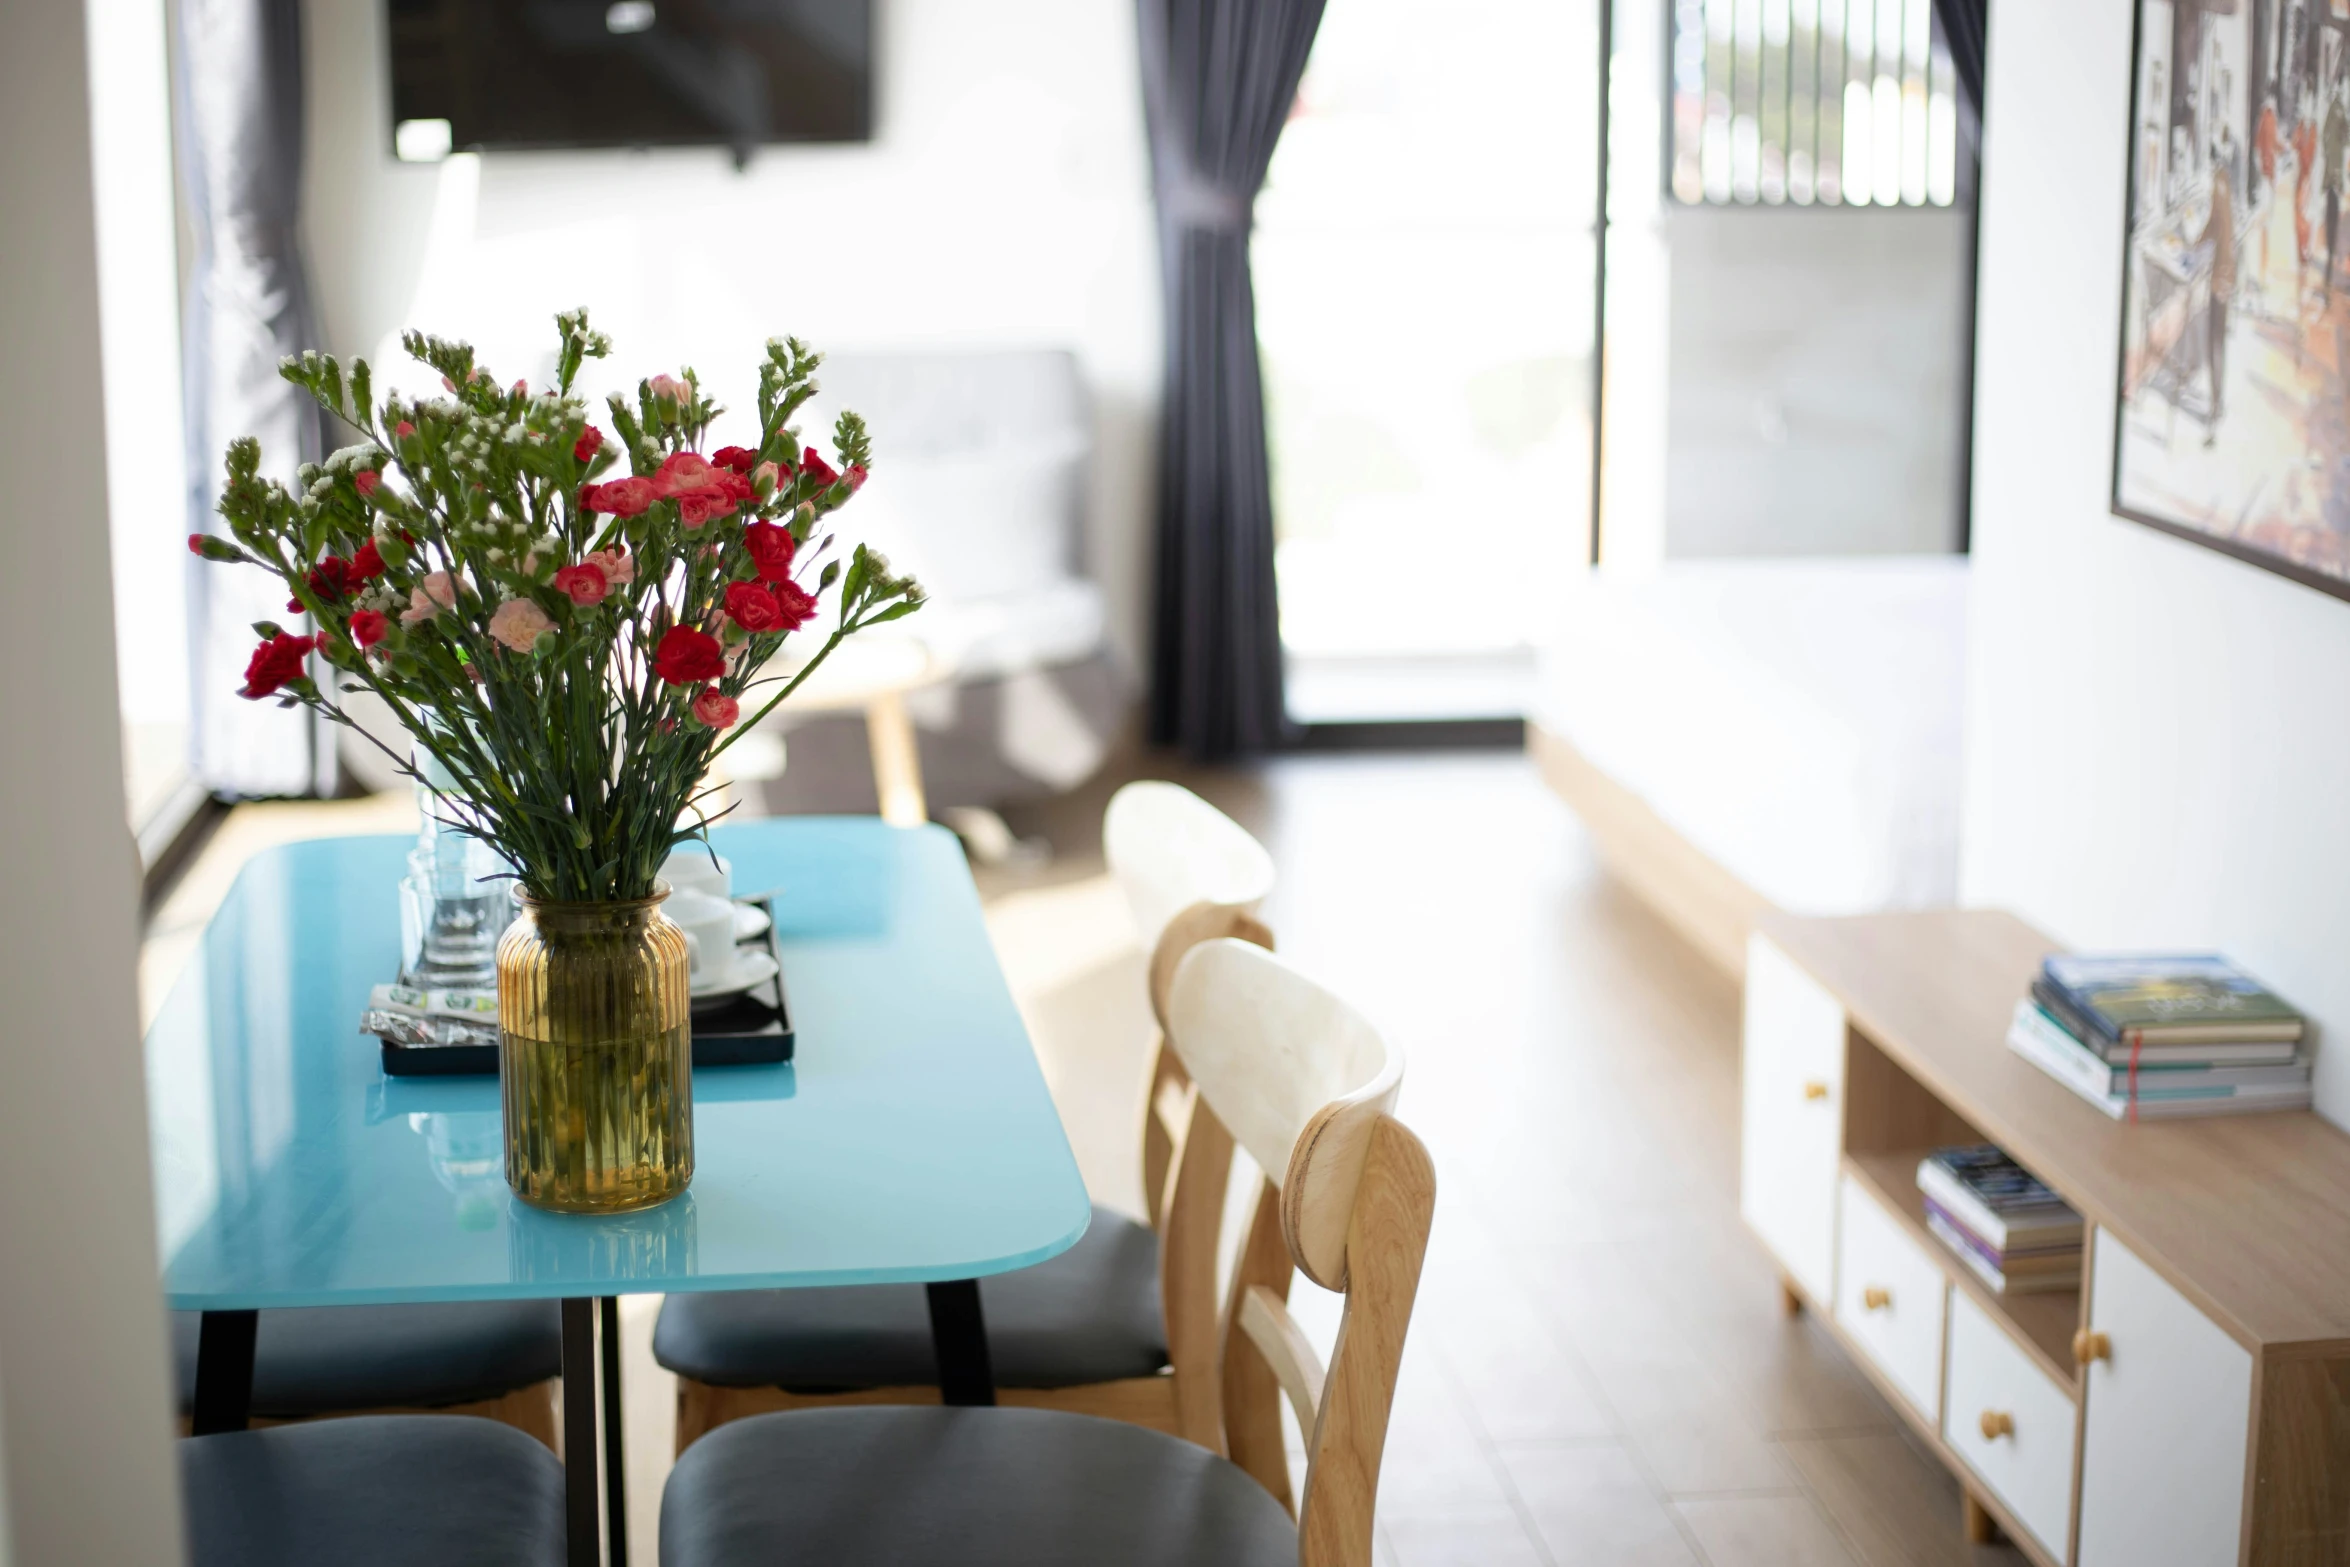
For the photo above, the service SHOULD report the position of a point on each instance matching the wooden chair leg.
(897, 761)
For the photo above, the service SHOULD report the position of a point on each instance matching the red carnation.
(772, 549)
(797, 604)
(403, 430)
(620, 498)
(683, 471)
(752, 607)
(856, 477)
(686, 656)
(585, 584)
(591, 441)
(368, 627)
(739, 458)
(811, 463)
(366, 479)
(330, 579)
(367, 563)
(274, 663)
(195, 543)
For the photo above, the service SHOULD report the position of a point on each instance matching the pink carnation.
(519, 624)
(715, 708)
(617, 565)
(428, 598)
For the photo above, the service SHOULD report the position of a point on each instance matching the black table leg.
(579, 1434)
(615, 1455)
(958, 1334)
(224, 1371)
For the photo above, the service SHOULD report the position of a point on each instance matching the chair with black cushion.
(1306, 1087)
(502, 1359)
(373, 1491)
(1123, 1324)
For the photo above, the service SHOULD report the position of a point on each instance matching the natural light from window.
(1424, 272)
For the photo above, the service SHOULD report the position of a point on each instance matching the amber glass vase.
(596, 1055)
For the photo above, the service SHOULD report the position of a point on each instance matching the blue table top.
(912, 1140)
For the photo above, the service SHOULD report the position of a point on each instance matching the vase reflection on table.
(570, 654)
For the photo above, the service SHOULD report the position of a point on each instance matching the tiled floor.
(1598, 1372)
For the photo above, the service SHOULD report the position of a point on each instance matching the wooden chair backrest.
(1190, 873)
(1303, 1083)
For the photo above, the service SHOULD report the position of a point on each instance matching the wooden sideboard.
(2190, 1404)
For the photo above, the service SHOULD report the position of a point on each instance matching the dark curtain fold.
(1963, 23)
(248, 306)
(1219, 77)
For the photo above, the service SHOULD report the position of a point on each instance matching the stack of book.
(2011, 1232)
(2140, 1037)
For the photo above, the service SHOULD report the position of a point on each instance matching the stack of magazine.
(2141, 1037)
(2011, 1232)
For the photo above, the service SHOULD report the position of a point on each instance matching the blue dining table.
(911, 1138)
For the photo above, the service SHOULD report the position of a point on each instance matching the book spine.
(2028, 1037)
(2077, 1020)
(1964, 1206)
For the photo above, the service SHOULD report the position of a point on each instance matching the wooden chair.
(1121, 1325)
(1306, 1086)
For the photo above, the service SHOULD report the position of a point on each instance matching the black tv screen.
(495, 74)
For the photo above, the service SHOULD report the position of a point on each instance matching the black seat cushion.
(1089, 1315)
(328, 1359)
(374, 1491)
(926, 1487)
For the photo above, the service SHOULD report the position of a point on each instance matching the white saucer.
(750, 922)
(750, 968)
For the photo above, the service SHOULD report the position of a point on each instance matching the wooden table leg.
(958, 1334)
(897, 761)
(581, 1546)
(224, 1371)
(615, 1454)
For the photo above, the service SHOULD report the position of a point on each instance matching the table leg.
(615, 1454)
(958, 1334)
(579, 1434)
(224, 1371)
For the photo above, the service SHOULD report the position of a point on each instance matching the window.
(1835, 102)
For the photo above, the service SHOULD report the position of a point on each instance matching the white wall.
(1815, 380)
(2159, 747)
(85, 1407)
(1004, 202)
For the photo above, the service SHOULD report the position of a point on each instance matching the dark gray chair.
(373, 1491)
(1122, 1324)
(912, 1487)
(1306, 1086)
(469, 1356)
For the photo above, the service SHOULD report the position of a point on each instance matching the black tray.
(748, 1028)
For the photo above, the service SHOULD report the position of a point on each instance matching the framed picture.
(2232, 408)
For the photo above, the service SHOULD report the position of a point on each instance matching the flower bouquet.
(572, 645)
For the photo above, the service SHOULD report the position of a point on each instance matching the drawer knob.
(1876, 1298)
(2089, 1344)
(1815, 1089)
(1997, 1424)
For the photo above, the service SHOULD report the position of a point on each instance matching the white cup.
(689, 870)
(708, 924)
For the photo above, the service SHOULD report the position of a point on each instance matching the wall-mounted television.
(506, 74)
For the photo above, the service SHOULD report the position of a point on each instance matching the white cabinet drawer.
(2010, 1423)
(1889, 1297)
(1792, 1087)
(2168, 1410)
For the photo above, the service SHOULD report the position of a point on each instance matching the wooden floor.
(1599, 1372)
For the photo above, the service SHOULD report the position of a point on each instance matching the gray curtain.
(248, 306)
(1219, 77)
